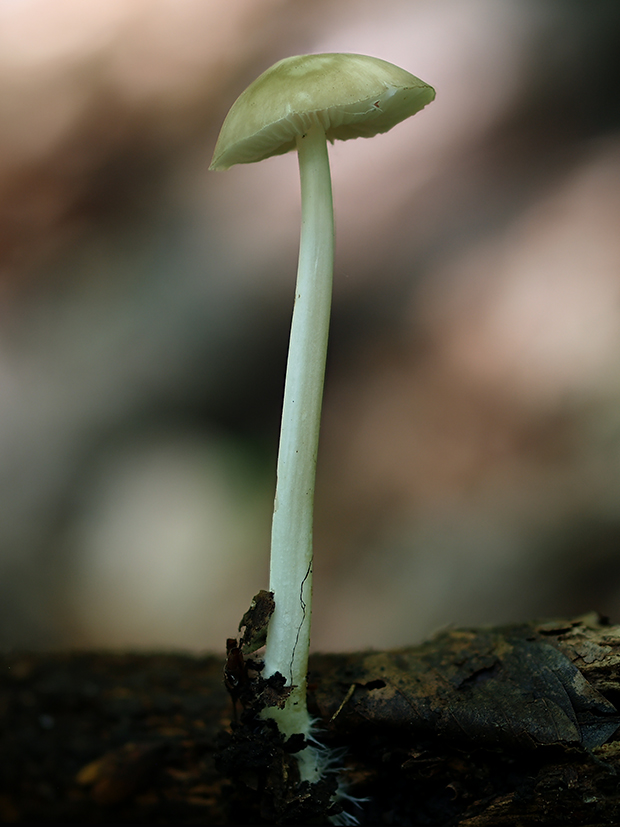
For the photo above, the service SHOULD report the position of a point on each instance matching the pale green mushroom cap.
(350, 96)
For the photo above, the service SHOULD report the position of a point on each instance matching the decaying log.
(476, 727)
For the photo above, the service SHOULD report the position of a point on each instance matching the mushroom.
(300, 103)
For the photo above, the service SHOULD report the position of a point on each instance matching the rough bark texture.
(477, 727)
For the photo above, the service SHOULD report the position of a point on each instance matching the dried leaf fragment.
(507, 686)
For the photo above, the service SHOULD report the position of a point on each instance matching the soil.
(476, 728)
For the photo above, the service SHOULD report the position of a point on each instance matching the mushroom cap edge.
(349, 95)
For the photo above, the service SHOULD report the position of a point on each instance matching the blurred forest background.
(469, 469)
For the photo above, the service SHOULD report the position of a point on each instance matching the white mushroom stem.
(288, 637)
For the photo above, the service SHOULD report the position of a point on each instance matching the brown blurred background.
(469, 469)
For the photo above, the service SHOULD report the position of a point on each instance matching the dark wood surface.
(478, 728)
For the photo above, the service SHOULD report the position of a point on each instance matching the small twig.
(346, 699)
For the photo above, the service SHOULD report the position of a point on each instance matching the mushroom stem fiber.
(288, 636)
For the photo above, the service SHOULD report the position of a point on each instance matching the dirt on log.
(484, 727)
